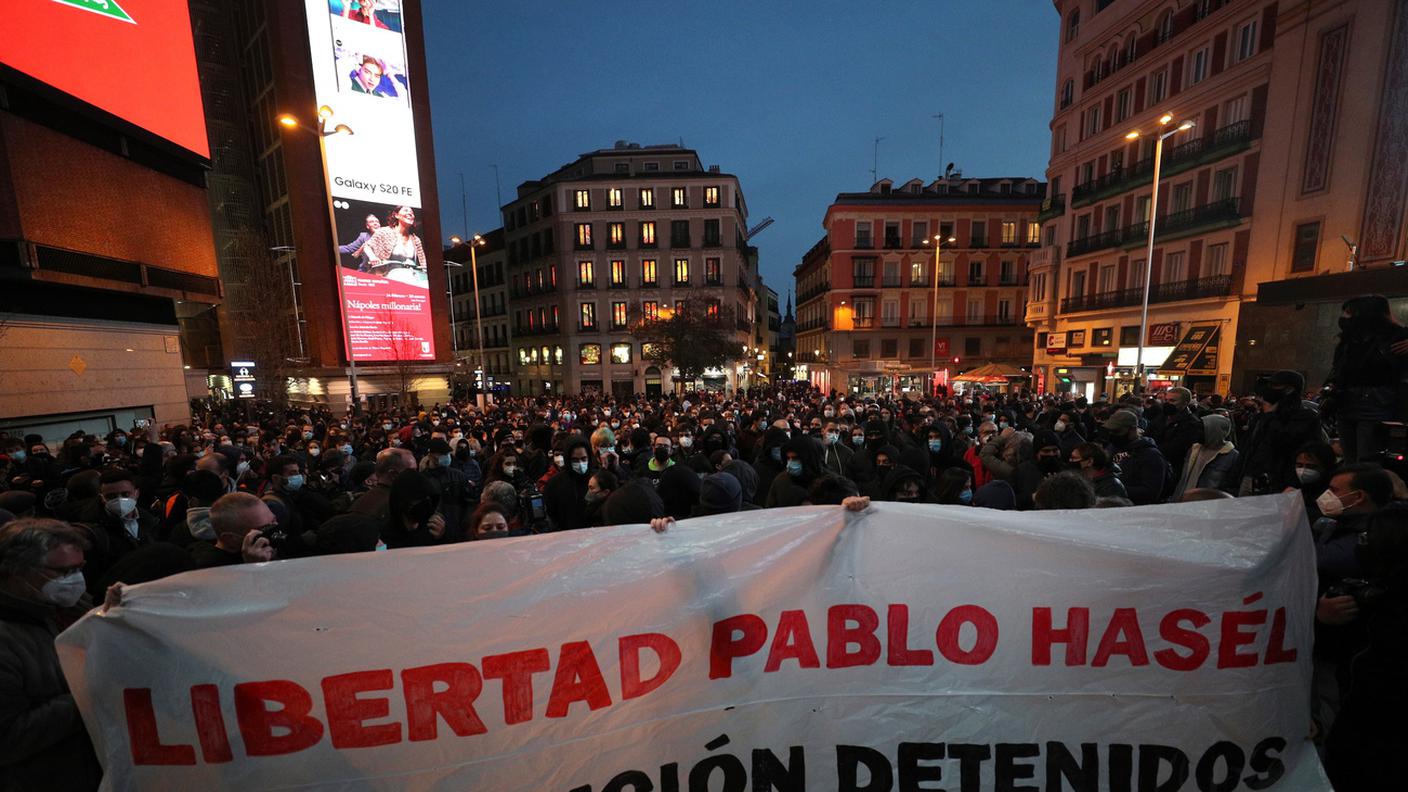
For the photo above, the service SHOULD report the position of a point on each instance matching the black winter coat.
(43, 744)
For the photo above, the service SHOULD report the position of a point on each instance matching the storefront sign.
(1076, 339)
(1163, 334)
(242, 377)
(941, 347)
(1055, 343)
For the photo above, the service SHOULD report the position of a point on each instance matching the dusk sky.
(789, 96)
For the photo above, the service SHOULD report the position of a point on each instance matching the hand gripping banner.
(1158, 649)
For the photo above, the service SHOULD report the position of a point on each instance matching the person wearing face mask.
(1314, 463)
(1211, 463)
(660, 459)
(118, 522)
(201, 489)
(41, 593)
(770, 461)
(1281, 425)
(1146, 475)
(452, 487)
(835, 454)
(600, 484)
(414, 518)
(1368, 382)
(801, 466)
(954, 487)
(36, 470)
(1180, 428)
(1069, 431)
(1093, 461)
(288, 494)
(565, 496)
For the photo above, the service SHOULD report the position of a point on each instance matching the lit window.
(522, 356)
(650, 309)
(546, 359)
(590, 354)
(647, 197)
(647, 273)
(533, 357)
(621, 353)
(647, 233)
(711, 197)
(681, 272)
(713, 271)
(618, 315)
(587, 318)
(1158, 86)
(679, 308)
(614, 198)
(586, 274)
(712, 310)
(1009, 232)
(1033, 234)
(649, 351)
(616, 234)
(583, 200)
(618, 272)
(557, 355)
(584, 235)
(678, 199)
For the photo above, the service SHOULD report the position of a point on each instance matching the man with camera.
(239, 521)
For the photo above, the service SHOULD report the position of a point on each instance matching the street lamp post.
(475, 242)
(1164, 120)
(289, 121)
(938, 240)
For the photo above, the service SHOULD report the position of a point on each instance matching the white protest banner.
(1159, 649)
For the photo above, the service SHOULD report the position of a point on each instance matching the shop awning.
(1196, 354)
(991, 373)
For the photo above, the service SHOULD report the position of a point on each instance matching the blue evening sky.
(789, 95)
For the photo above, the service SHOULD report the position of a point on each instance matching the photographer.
(1366, 381)
(414, 519)
(1273, 434)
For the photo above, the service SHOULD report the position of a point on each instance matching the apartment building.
(1146, 67)
(873, 315)
(490, 314)
(619, 236)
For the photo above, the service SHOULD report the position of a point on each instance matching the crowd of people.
(244, 483)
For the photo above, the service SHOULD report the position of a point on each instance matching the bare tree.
(699, 337)
(263, 321)
(405, 357)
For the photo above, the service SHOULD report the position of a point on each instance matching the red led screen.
(132, 58)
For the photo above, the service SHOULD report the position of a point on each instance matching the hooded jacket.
(1211, 463)
(789, 490)
(1143, 471)
(1269, 454)
(766, 466)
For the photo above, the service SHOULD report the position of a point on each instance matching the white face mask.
(1307, 475)
(121, 507)
(65, 591)
(509, 470)
(1330, 504)
(1059, 426)
(198, 521)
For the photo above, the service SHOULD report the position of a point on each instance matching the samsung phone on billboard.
(360, 73)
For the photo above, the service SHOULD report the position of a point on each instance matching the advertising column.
(360, 75)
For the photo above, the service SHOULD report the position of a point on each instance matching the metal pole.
(478, 309)
(1149, 264)
(934, 317)
(337, 269)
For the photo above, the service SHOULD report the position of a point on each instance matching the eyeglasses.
(64, 571)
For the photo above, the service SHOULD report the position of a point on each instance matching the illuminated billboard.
(360, 73)
(133, 59)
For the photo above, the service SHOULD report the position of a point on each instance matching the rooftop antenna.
(940, 116)
(875, 162)
(464, 208)
(498, 196)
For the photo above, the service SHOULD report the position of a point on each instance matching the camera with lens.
(532, 511)
(1366, 593)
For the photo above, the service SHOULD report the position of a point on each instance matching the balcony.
(1007, 280)
(586, 285)
(1049, 256)
(1214, 214)
(1217, 286)
(813, 293)
(889, 321)
(863, 281)
(712, 241)
(977, 280)
(1228, 140)
(745, 325)
(681, 242)
(981, 320)
(813, 324)
(532, 290)
(548, 329)
(892, 243)
(892, 283)
(1054, 206)
(978, 242)
(586, 328)
(865, 244)
(1094, 242)
(864, 322)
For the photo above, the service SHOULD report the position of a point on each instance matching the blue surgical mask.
(346, 449)
(444, 460)
(18, 456)
(294, 483)
(969, 430)
(936, 445)
(965, 497)
(858, 441)
(794, 467)
(579, 466)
